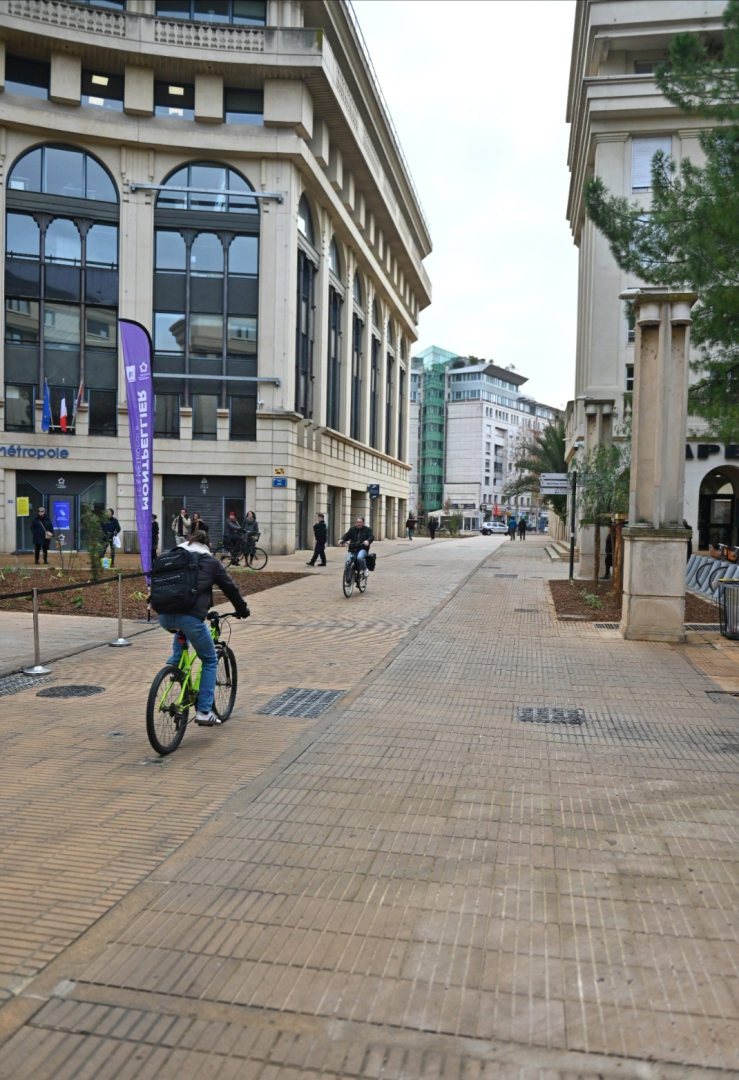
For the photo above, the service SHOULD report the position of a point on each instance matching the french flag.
(63, 413)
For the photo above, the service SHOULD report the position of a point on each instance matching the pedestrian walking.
(690, 538)
(432, 527)
(512, 528)
(410, 526)
(154, 537)
(181, 527)
(42, 533)
(111, 529)
(522, 528)
(320, 531)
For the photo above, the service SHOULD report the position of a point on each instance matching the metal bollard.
(120, 640)
(37, 669)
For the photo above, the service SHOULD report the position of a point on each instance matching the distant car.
(489, 527)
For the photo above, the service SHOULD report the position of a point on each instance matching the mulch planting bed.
(569, 600)
(102, 599)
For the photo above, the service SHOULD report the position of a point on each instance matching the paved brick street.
(418, 884)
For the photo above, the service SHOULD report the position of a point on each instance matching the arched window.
(206, 295)
(61, 289)
(334, 261)
(305, 221)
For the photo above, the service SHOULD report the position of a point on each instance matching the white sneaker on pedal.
(206, 719)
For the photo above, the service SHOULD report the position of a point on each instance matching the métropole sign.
(33, 451)
(140, 398)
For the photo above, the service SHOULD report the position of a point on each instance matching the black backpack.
(174, 580)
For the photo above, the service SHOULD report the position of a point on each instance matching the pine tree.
(690, 237)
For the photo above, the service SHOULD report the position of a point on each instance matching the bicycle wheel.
(226, 683)
(165, 719)
(362, 580)
(348, 579)
(257, 559)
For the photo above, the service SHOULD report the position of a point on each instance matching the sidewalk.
(423, 885)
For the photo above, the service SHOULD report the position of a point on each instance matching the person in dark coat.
(410, 526)
(609, 556)
(320, 531)
(690, 538)
(432, 527)
(111, 528)
(42, 533)
(522, 528)
(154, 537)
(359, 538)
(198, 524)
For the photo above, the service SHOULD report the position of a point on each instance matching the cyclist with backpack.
(182, 583)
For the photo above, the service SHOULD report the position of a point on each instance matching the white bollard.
(120, 640)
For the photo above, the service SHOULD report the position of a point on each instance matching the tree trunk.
(596, 566)
(618, 561)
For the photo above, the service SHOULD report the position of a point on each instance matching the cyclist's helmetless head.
(360, 521)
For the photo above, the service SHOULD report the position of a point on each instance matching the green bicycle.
(174, 690)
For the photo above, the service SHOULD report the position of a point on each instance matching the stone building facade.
(618, 121)
(226, 174)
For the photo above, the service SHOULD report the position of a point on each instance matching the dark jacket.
(320, 531)
(410, 523)
(39, 529)
(111, 528)
(155, 534)
(251, 525)
(212, 572)
(199, 524)
(357, 537)
(522, 525)
(432, 527)
(231, 528)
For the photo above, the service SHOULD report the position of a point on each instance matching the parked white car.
(489, 527)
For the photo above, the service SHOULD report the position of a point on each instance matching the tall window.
(335, 300)
(642, 152)
(206, 294)
(374, 390)
(389, 386)
(401, 412)
(305, 331)
(357, 333)
(61, 287)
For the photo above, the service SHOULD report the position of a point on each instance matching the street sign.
(279, 481)
(554, 483)
(374, 491)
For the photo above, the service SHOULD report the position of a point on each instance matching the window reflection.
(63, 242)
(243, 255)
(171, 251)
(169, 332)
(100, 328)
(206, 336)
(206, 254)
(102, 246)
(62, 325)
(23, 236)
(241, 336)
(21, 322)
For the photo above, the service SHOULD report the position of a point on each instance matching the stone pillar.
(655, 540)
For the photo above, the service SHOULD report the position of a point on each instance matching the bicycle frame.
(187, 663)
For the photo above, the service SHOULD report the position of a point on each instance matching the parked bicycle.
(242, 545)
(174, 690)
(354, 574)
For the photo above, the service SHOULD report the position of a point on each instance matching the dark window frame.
(184, 102)
(374, 391)
(31, 427)
(238, 116)
(116, 84)
(37, 68)
(100, 430)
(192, 16)
(357, 357)
(305, 334)
(333, 387)
(174, 433)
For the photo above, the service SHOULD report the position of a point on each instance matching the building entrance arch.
(717, 507)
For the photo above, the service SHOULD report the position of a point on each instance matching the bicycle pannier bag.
(174, 579)
(371, 559)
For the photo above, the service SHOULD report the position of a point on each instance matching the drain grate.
(71, 691)
(296, 701)
(527, 610)
(548, 715)
(606, 625)
(506, 575)
(13, 684)
(702, 626)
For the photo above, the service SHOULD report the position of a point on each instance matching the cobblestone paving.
(432, 888)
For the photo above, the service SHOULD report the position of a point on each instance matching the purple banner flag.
(140, 396)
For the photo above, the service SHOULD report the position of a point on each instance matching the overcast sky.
(478, 92)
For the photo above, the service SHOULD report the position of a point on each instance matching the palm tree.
(543, 452)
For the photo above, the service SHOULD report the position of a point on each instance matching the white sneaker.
(206, 719)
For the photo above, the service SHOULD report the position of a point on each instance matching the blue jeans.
(197, 633)
(361, 558)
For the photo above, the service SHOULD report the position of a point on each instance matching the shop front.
(212, 497)
(62, 495)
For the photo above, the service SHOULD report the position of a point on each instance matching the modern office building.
(468, 416)
(618, 121)
(227, 174)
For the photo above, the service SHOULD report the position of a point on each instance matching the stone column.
(655, 540)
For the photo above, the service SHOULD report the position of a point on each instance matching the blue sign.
(279, 481)
(62, 515)
(374, 491)
(33, 451)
